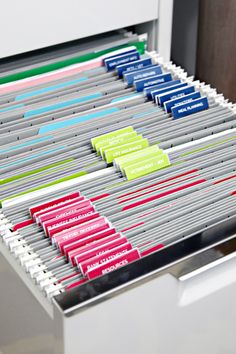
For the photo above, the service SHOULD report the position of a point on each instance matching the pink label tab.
(55, 212)
(104, 258)
(70, 215)
(75, 231)
(81, 231)
(52, 203)
(80, 246)
(44, 212)
(114, 264)
(97, 248)
(62, 243)
(75, 220)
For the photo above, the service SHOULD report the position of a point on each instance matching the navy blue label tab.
(139, 64)
(174, 94)
(194, 106)
(141, 74)
(177, 101)
(151, 81)
(112, 63)
(148, 91)
(136, 70)
(112, 56)
(156, 93)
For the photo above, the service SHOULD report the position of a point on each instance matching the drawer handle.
(208, 279)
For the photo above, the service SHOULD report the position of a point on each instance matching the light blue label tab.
(49, 89)
(142, 74)
(167, 89)
(143, 114)
(132, 95)
(7, 109)
(112, 63)
(112, 56)
(76, 120)
(151, 81)
(27, 143)
(32, 157)
(194, 106)
(139, 64)
(177, 101)
(174, 94)
(148, 90)
(59, 105)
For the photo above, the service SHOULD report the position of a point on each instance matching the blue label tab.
(136, 70)
(151, 81)
(138, 64)
(11, 108)
(194, 106)
(61, 105)
(112, 63)
(143, 73)
(167, 89)
(49, 89)
(174, 94)
(177, 101)
(148, 91)
(17, 162)
(73, 121)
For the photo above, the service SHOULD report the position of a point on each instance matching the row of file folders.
(108, 154)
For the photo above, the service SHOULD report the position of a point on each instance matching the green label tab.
(108, 136)
(115, 141)
(63, 179)
(119, 146)
(111, 154)
(150, 165)
(70, 61)
(150, 151)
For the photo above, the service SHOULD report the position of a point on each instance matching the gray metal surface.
(25, 326)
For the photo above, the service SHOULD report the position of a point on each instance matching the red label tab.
(73, 285)
(81, 246)
(22, 224)
(62, 244)
(162, 195)
(114, 264)
(88, 240)
(151, 250)
(97, 248)
(104, 258)
(68, 276)
(56, 212)
(77, 219)
(52, 203)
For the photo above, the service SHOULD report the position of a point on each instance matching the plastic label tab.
(151, 81)
(194, 106)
